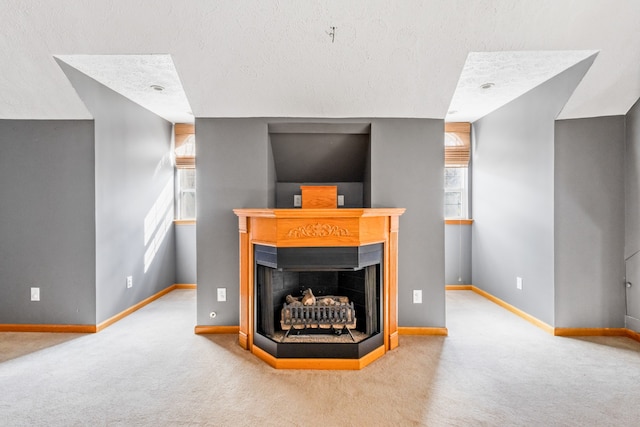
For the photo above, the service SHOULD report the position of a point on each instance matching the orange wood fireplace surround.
(318, 228)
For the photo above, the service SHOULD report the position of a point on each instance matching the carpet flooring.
(150, 369)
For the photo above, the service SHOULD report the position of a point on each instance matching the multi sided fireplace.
(346, 257)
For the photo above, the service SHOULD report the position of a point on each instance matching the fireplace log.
(308, 298)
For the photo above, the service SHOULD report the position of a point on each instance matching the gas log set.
(333, 313)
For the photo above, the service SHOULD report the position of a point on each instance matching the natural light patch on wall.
(157, 223)
(165, 162)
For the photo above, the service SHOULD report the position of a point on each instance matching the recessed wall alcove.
(321, 154)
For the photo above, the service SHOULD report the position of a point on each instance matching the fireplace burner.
(326, 313)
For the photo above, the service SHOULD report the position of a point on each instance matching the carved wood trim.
(317, 230)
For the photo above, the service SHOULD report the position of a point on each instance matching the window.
(185, 153)
(455, 193)
(457, 153)
(186, 179)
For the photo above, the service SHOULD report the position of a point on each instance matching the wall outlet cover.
(519, 283)
(35, 294)
(129, 282)
(297, 200)
(222, 294)
(417, 296)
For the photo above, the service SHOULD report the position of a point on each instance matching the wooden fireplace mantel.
(319, 228)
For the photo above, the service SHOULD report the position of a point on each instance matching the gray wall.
(513, 196)
(134, 197)
(186, 254)
(234, 169)
(47, 223)
(351, 191)
(319, 157)
(632, 215)
(632, 176)
(407, 170)
(272, 177)
(232, 172)
(589, 223)
(457, 254)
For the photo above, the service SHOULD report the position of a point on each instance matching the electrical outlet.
(297, 200)
(222, 294)
(35, 294)
(417, 296)
(340, 200)
(129, 282)
(519, 283)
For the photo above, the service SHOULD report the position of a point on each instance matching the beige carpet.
(150, 369)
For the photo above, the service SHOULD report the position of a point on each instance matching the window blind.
(185, 145)
(457, 145)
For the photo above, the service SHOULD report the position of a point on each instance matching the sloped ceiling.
(277, 58)
(490, 80)
(148, 80)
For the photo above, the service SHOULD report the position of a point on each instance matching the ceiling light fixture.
(157, 88)
(487, 85)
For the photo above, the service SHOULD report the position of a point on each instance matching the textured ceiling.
(149, 80)
(489, 80)
(276, 58)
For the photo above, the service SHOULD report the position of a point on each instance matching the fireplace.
(348, 255)
(318, 302)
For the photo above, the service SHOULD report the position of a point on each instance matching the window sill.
(458, 221)
(184, 221)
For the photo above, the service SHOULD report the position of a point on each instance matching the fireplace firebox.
(326, 298)
(346, 259)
